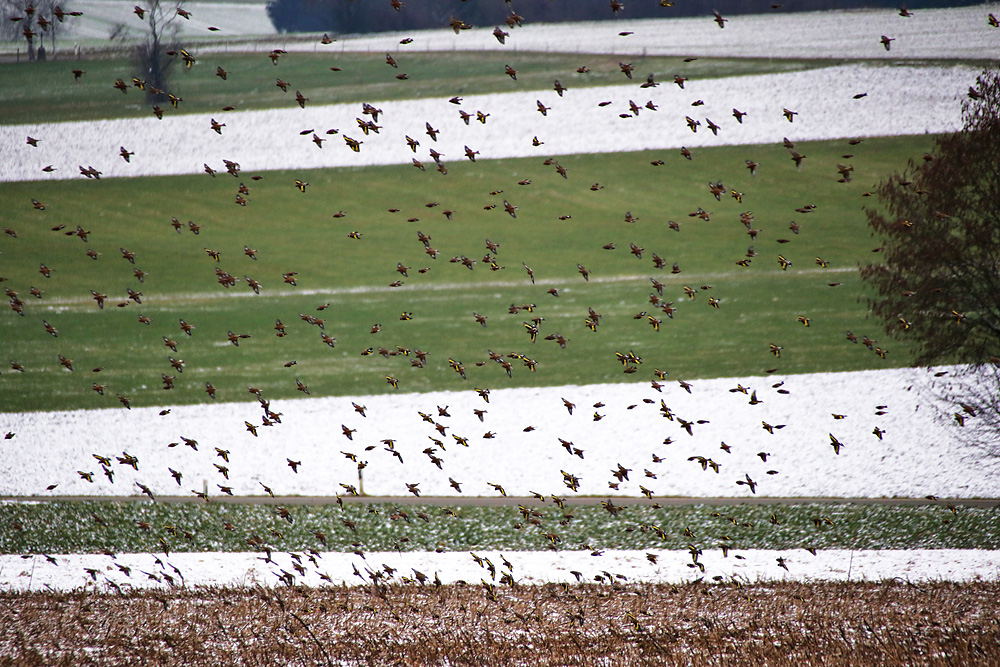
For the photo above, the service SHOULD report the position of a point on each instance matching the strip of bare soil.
(607, 623)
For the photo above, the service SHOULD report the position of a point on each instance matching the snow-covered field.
(749, 566)
(959, 32)
(900, 100)
(914, 456)
(100, 18)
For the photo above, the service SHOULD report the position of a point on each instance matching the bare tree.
(33, 19)
(968, 400)
(155, 56)
(939, 280)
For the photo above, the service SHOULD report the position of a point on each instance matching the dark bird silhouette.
(749, 483)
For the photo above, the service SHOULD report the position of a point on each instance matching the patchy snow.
(900, 100)
(535, 567)
(915, 456)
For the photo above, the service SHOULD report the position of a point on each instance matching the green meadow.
(293, 231)
(135, 527)
(344, 236)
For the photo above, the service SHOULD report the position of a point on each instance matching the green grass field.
(760, 302)
(74, 527)
(50, 87)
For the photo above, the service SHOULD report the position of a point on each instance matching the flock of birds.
(441, 435)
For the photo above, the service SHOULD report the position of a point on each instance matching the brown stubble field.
(616, 623)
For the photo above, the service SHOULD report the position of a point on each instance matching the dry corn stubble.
(892, 622)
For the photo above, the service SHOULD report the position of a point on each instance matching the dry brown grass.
(888, 623)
